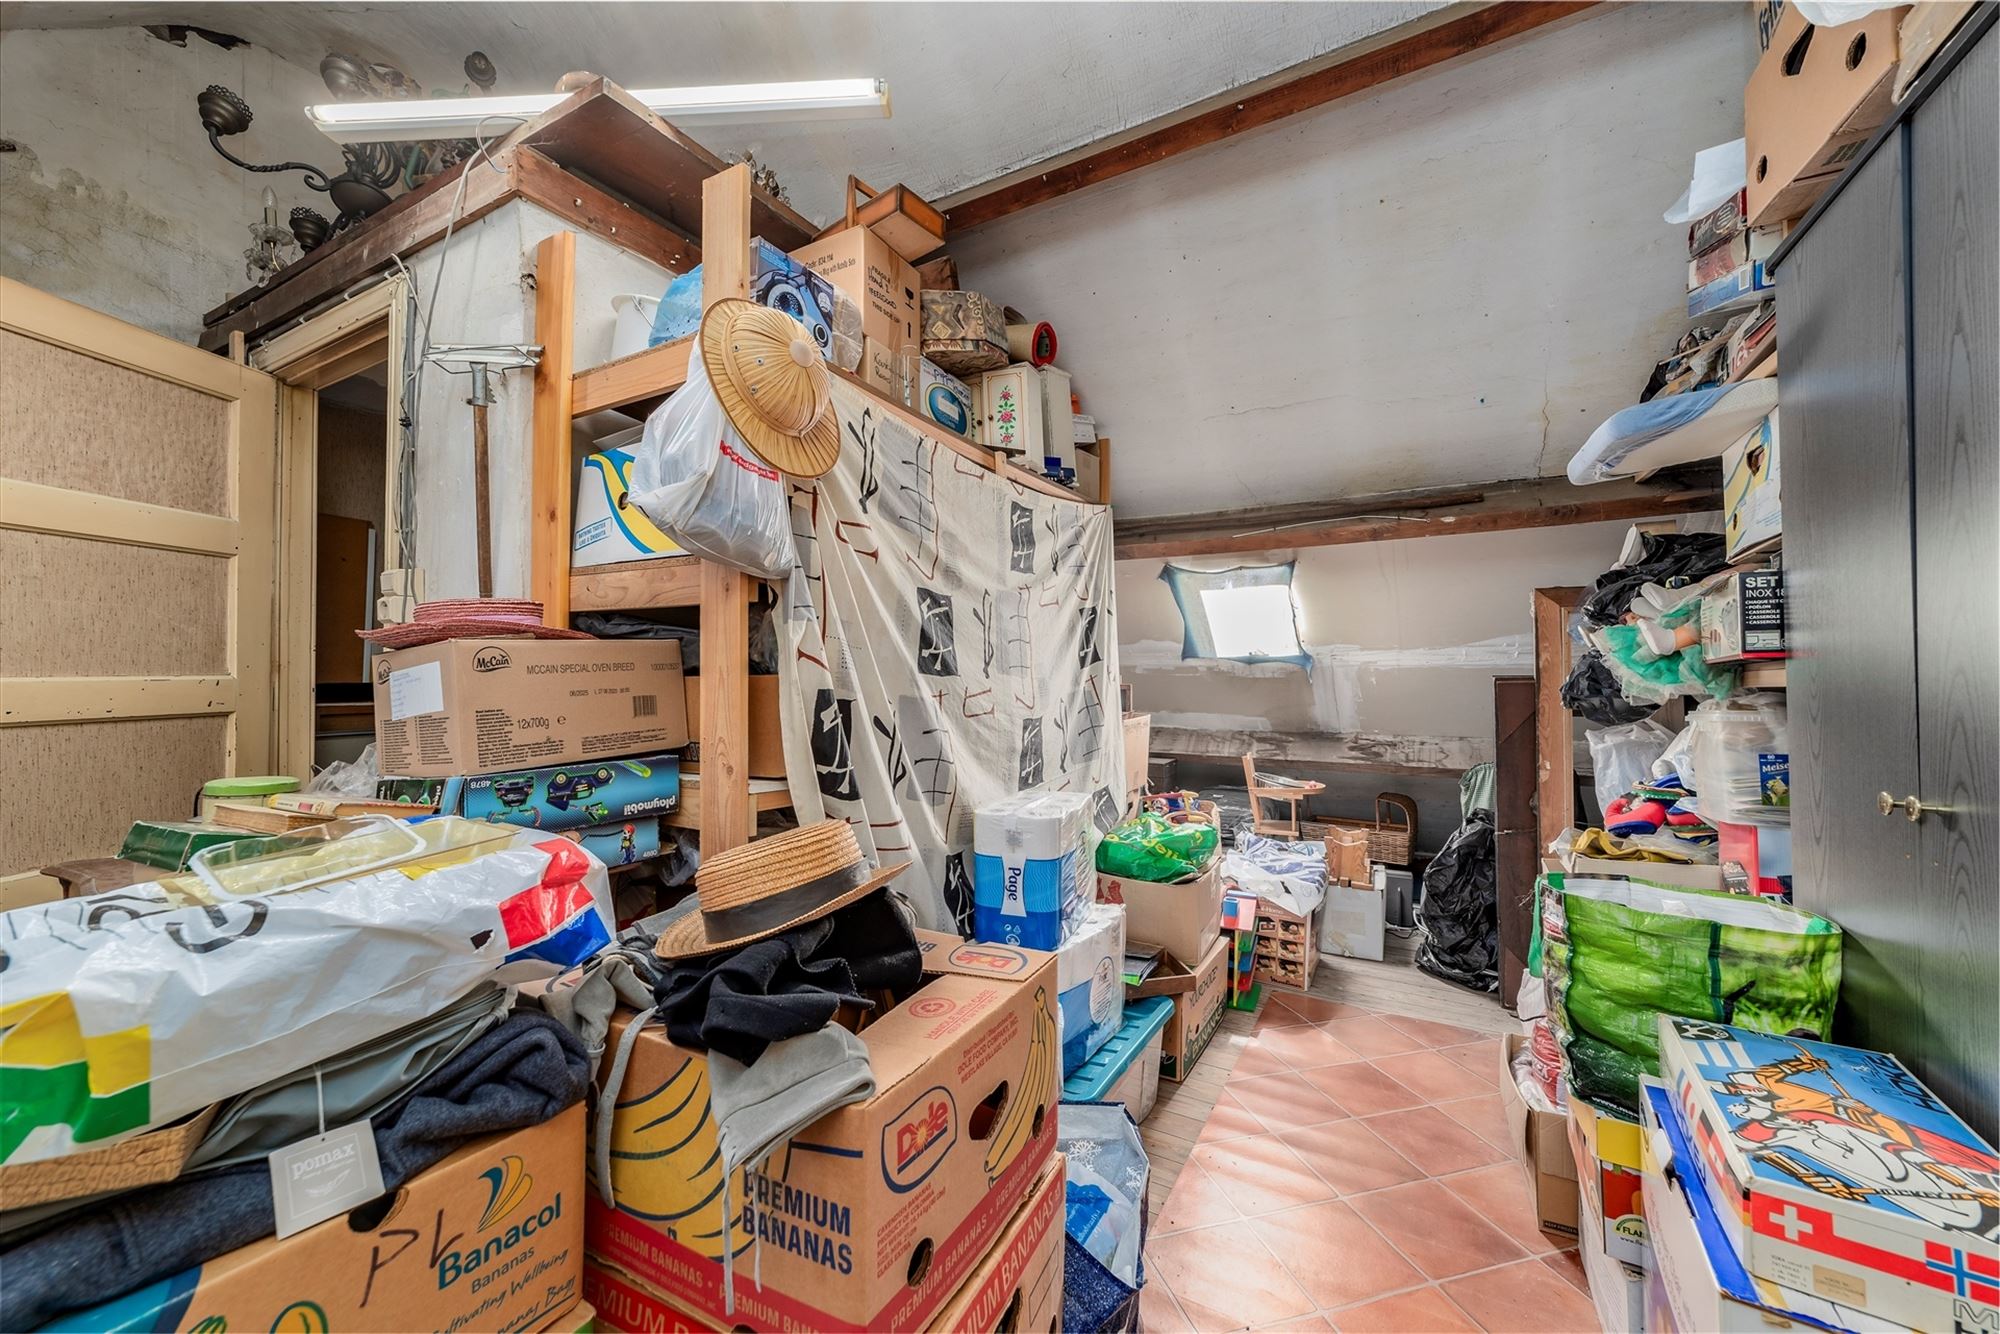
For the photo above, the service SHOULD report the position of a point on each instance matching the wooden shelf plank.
(653, 373)
(638, 585)
(766, 794)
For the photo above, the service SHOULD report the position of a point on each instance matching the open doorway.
(351, 463)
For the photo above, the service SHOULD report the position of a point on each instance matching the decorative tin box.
(964, 332)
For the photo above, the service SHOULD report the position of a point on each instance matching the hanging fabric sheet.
(947, 641)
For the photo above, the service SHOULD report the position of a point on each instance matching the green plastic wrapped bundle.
(1617, 953)
(1152, 847)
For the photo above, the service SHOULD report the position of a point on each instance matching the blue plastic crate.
(1096, 1076)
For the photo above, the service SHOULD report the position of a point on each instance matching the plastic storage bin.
(1127, 1067)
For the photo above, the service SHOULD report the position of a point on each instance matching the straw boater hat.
(469, 618)
(772, 885)
(767, 371)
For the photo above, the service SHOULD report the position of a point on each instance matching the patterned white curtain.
(947, 639)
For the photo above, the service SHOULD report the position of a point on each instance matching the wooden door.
(1955, 377)
(137, 504)
(1517, 850)
(1844, 431)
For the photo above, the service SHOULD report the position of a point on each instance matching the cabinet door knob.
(1912, 807)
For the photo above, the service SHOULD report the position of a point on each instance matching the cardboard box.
(1016, 1286)
(557, 797)
(1696, 1283)
(766, 757)
(1617, 1286)
(868, 269)
(1835, 1171)
(1926, 27)
(964, 333)
(1816, 96)
(1741, 286)
(489, 1238)
(876, 1213)
(1752, 498)
(881, 369)
(473, 706)
(1612, 1205)
(1726, 256)
(1541, 1141)
(1019, 1285)
(1184, 917)
(1090, 984)
(606, 530)
(1197, 1014)
(1743, 617)
(1658, 873)
(946, 399)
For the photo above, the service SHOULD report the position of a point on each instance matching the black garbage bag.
(1459, 918)
(1592, 692)
(1663, 558)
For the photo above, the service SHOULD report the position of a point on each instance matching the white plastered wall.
(482, 282)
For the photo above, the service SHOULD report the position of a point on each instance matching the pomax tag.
(324, 1175)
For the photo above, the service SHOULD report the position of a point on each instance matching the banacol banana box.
(874, 1215)
(490, 1238)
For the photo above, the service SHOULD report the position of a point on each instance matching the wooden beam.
(642, 376)
(551, 484)
(31, 507)
(1555, 746)
(582, 205)
(1502, 506)
(728, 817)
(641, 585)
(27, 701)
(1400, 56)
(1340, 752)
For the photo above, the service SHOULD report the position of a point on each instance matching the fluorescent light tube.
(482, 117)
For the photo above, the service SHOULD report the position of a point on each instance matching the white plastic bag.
(133, 1007)
(1622, 757)
(1105, 1194)
(694, 477)
(1742, 759)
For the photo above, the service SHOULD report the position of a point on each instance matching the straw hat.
(469, 618)
(772, 885)
(767, 371)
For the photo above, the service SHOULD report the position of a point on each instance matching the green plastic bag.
(1616, 953)
(1152, 847)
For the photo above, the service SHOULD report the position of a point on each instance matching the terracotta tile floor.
(1355, 1175)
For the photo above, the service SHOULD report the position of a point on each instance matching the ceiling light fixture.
(721, 104)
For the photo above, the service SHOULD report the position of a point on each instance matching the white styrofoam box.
(1058, 430)
(1350, 922)
(946, 400)
(607, 531)
(1090, 983)
(1083, 429)
(1031, 877)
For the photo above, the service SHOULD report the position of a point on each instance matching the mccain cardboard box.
(876, 1213)
(471, 706)
(882, 283)
(489, 1238)
(1197, 1014)
(1017, 1286)
(1541, 1141)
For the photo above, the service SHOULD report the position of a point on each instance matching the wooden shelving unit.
(721, 802)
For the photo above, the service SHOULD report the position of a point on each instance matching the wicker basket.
(1389, 840)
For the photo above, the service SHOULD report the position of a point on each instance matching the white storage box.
(1351, 921)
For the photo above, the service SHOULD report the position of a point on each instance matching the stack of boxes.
(1287, 945)
(575, 736)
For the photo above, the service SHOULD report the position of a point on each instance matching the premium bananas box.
(873, 1216)
(489, 1238)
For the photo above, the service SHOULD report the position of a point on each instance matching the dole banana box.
(873, 1216)
(489, 1238)
(1018, 1285)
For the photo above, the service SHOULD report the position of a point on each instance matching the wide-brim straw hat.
(768, 887)
(767, 372)
(469, 618)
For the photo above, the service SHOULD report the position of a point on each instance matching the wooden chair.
(1291, 792)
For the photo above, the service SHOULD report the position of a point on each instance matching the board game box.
(1836, 1172)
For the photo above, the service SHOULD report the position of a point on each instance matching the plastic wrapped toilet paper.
(1031, 876)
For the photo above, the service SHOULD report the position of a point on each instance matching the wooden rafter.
(1431, 45)
(1545, 502)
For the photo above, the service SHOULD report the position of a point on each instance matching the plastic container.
(634, 327)
(1031, 877)
(1127, 1067)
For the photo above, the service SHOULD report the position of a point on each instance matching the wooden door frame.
(242, 695)
(1555, 746)
(369, 327)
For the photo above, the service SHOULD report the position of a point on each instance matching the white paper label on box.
(324, 1175)
(415, 690)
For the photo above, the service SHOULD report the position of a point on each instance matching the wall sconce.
(356, 192)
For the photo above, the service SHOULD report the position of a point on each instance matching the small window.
(1245, 614)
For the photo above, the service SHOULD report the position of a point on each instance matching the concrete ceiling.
(977, 89)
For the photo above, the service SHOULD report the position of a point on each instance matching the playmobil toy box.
(592, 798)
(1017, 1286)
(876, 1213)
(1696, 1284)
(474, 706)
(489, 1238)
(606, 530)
(1835, 1171)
